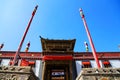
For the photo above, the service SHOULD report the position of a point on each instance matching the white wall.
(38, 69)
(78, 67)
(5, 62)
(93, 64)
(115, 63)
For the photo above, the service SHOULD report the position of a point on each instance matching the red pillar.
(15, 59)
(90, 39)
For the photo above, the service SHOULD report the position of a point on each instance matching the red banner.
(57, 57)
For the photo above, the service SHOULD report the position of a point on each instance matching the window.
(86, 64)
(24, 62)
(106, 63)
(32, 63)
(11, 62)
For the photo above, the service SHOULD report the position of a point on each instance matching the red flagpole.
(25, 33)
(90, 39)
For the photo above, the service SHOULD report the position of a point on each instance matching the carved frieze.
(16, 73)
(99, 74)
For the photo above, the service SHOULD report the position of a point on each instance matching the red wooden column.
(15, 59)
(90, 39)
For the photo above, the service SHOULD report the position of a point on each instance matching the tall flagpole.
(90, 39)
(20, 45)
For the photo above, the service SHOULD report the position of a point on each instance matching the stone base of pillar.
(99, 74)
(16, 73)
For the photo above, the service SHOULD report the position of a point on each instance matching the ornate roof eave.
(70, 42)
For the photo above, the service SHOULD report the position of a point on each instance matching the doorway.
(57, 72)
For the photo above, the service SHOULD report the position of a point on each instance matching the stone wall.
(16, 73)
(99, 74)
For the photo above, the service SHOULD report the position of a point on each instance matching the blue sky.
(60, 19)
